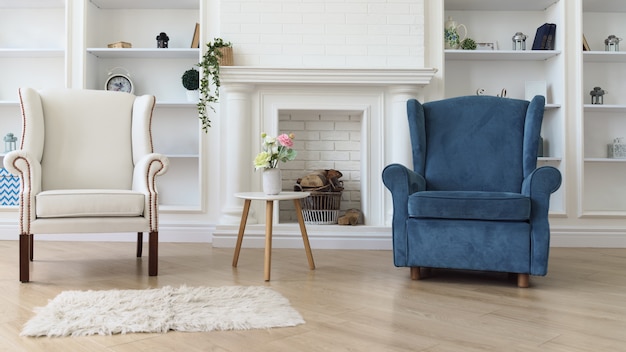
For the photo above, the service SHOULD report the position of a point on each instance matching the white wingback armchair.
(86, 165)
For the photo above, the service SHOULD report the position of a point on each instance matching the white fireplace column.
(399, 148)
(238, 164)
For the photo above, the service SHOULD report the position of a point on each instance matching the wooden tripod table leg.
(242, 227)
(269, 210)
(305, 236)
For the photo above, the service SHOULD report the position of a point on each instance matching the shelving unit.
(602, 177)
(504, 69)
(63, 55)
(28, 55)
(155, 71)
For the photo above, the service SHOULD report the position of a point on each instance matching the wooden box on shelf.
(227, 56)
(120, 45)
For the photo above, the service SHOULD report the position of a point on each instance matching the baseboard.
(320, 236)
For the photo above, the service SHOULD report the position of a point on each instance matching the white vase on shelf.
(272, 181)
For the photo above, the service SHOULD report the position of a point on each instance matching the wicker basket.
(321, 208)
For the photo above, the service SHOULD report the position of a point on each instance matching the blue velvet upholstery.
(475, 198)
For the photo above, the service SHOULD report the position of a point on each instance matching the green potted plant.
(191, 82)
(210, 93)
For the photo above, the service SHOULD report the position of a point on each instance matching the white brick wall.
(325, 33)
(324, 140)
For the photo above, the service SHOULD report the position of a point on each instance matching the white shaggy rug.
(82, 313)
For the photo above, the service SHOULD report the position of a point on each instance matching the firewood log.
(351, 217)
(314, 180)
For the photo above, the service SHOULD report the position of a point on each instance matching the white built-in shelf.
(31, 53)
(145, 53)
(604, 6)
(498, 5)
(501, 55)
(605, 108)
(604, 56)
(9, 103)
(31, 4)
(145, 4)
(179, 208)
(605, 160)
(175, 104)
(183, 156)
(548, 158)
(552, 106)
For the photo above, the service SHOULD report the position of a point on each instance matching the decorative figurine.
(597, 95)
(519, 41)
(162, 40)
(612, 43)
(10, 142)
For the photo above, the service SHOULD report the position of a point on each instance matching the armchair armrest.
(401, 182)
(542, 182)
(24, 165)
(144, 180)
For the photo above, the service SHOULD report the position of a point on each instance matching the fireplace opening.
(327, 139)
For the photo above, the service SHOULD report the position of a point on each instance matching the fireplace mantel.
(325, 76)
(252, 98)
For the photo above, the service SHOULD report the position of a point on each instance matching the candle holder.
(597, 95)
(162, 40)
(519, 41)
(10, 142)
(612, 43)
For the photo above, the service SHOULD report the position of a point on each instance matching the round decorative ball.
(468, 44)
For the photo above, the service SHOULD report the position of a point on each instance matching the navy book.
(544, 38)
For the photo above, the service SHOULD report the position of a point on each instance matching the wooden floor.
(353, 301)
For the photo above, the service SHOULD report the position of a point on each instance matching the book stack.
(545, 37)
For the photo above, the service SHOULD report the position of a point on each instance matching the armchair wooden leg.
(153, 254)
(25, 243)
(415, 273)
(139, 244)
(523, 280)
(32, 247)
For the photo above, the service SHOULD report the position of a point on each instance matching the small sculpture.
(612, 43)
(597, 95)
(519, 41)
(162, 40)
(10, 142)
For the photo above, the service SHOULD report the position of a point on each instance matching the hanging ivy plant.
(210, 80)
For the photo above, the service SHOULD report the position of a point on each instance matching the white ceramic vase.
(272, 181)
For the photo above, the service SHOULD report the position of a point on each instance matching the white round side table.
(269, 209)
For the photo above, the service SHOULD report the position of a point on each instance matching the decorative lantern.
(612, 43)
(162, 40)
(519, 41)
(10, 142)
(597, 95)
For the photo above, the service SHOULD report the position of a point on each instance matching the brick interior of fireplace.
(324, 140)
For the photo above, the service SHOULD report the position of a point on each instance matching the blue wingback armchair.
(475, 199)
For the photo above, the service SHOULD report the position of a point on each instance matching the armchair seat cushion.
(89, 203)
(469, 205)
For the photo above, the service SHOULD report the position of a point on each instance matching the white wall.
(325, 33)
